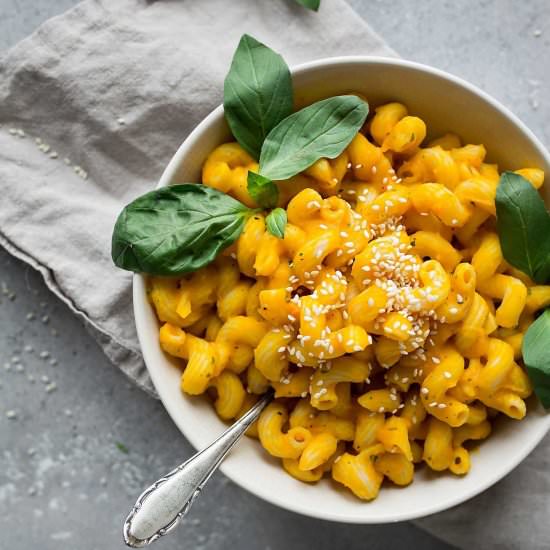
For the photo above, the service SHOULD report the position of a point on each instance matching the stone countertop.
(78, 442)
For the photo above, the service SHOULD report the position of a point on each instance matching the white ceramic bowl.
(446, 103)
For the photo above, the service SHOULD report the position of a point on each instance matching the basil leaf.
(276, 222)
(264, 192)
(323, 129)
(523, 226)
(257, 93)
(310, 4)
(176, 229)
(536, 357)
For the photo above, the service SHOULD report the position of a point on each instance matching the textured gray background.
(84, 442)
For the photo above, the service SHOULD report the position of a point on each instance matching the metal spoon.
(160, 507)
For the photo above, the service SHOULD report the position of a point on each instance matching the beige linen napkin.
(92, 107)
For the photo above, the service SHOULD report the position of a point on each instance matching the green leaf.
(523, 226)
(176, 229)
(536, 357)
(310, 4)
(257, 93)
(323, 129)
(276, 222)
(121, 447)
(262, 190)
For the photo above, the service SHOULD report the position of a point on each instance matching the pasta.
(386, 320)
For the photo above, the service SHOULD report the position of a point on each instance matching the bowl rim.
(138, 294)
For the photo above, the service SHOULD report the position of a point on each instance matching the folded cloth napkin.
(92, 107)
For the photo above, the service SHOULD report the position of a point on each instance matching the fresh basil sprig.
(181, 228)
(536, 357)
(310, 4)
(322, 130)
(176, 229)
(523, 225)
(264, 192)
(276, 222)
(257, 93)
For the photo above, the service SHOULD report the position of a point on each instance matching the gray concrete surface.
(84, 442)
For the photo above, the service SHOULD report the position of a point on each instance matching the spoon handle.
(159, 508)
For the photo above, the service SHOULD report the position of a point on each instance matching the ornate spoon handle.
(159, 508)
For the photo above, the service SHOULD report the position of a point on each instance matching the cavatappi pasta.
(386, 320)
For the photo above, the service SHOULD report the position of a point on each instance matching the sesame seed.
(447, 374)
